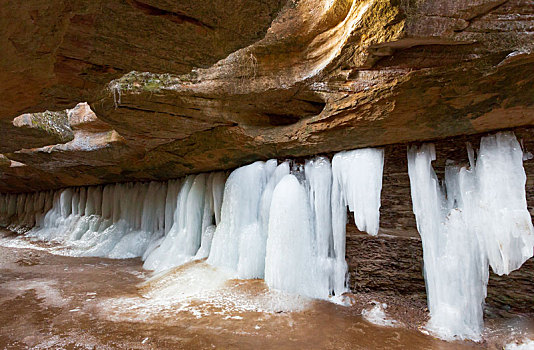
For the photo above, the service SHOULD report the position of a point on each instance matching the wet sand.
(51, 301)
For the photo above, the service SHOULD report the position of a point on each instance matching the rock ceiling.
(181, 87)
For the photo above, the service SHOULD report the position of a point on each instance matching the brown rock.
(287, 80)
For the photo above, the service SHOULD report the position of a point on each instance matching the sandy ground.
(51, 301)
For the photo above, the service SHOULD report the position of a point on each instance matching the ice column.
(239, 239)
(478, 217)
(290, 263)
(356, 183)
(455, 272)
(318, 174)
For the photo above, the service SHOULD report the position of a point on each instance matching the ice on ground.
(201, 290)
(45, 290)
(377, 315)
(526, 344)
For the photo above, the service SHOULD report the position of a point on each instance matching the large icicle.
(505, 220)
(455, 273)
(478, 217)
(290, 263)
(239, 241)
(357, 183)
(358, 176)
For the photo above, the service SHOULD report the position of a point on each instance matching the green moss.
(152, 87)
(137, 82)
(53, 123)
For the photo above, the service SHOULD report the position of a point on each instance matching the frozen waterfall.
(477, 217)
(283, 222)
(196, 209)
(284, 231)
(239, 240)
(292, 261)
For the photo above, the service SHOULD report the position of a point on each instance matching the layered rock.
(394, 266)
(58, 53)
(272, 79)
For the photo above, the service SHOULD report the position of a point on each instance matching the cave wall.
(392, 262)
(187, 87)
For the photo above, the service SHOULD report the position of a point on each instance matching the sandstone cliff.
(180, 88)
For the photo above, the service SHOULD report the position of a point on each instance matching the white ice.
(290, 263)
(239, 240)
(377, 315)
(526, 344)
(196, 209)
(230, 222)
(478, 217)
(357, 175)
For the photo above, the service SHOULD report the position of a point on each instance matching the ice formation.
(358, 180)
(28, 208)
(284, 231)
(124, 220)
(377, 315)
(265, 221)
(239, 240)
(114, 220)
(291, 246)
(477, 217)
(196, 211)
(356, 183)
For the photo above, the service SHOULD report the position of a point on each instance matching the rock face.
(58, 53)
(235, 82)
(394, 266)
(392, 263)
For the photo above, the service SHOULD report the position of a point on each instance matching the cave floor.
(52, 301)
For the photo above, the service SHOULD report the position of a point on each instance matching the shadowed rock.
(308, 77)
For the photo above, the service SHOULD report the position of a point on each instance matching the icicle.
(358, 175)
(479, 217)
(238, 236)
(319, 178)
(505, 220)
(289, 262)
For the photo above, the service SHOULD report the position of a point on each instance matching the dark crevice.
(104, 68)
(176, 17)
(155, 112)
(482, 13)
(281, 120)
